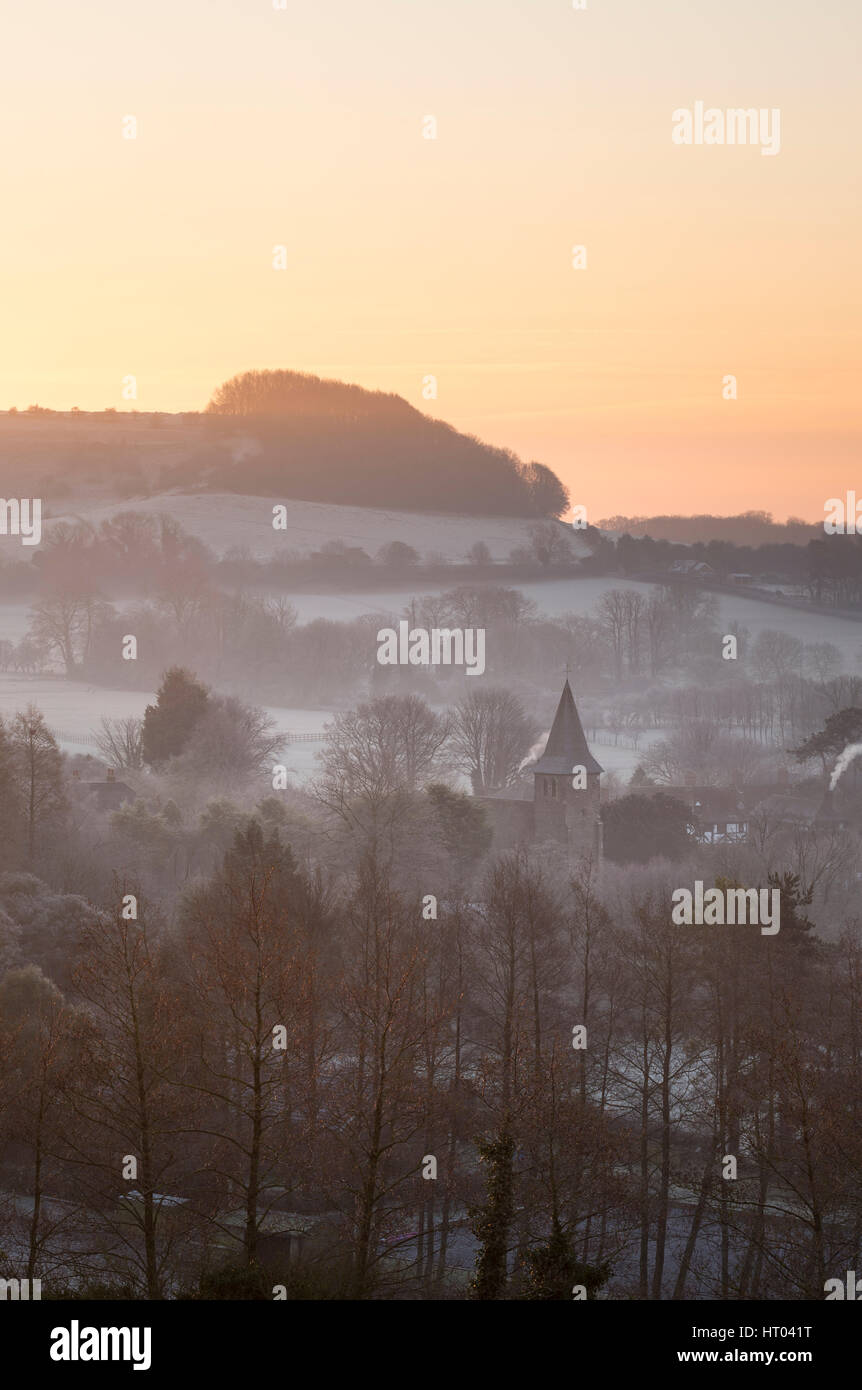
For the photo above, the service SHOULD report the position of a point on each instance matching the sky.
(451, 257)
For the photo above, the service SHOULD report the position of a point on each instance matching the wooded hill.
(280, 433)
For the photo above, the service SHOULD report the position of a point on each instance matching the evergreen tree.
(794, 897)
(640, 828)
(266, 856)
(462, 823)
(181, 703)
(840, 729)
(490, 1224)
(553, 1272)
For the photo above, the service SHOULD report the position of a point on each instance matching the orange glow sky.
(409, 257)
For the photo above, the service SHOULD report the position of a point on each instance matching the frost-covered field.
(73, 710)
(15, 618)
(557, 596)
(14, 621)
(553, 597)
(224, 520)
(580, 595)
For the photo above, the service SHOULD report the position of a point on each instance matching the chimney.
(109, 775)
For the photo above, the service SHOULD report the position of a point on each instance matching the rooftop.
(566, 747)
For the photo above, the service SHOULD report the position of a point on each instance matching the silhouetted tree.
(181, 703)
(39, 769)
(491, 737)
(639, 828)
(840, 729)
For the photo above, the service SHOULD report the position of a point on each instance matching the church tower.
(566, 791)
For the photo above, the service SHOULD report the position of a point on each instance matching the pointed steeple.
(566, 747)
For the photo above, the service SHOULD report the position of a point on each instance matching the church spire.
(566, 747)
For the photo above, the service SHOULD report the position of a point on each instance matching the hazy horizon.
(577, 491)
(407, 257)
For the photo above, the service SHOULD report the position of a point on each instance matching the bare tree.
(823, 660)
(39, 1041)
(40, 774)
(65, 622)
(659, 632)
(634, 609)
(612, 611)
(549, 543)
(702, 752)
(491, 737)
(375, 1105)
(777, 654)
(120, 741)
(122, 1106)
(479, 555)
(246, 996)
(393, 743)
(231, 740)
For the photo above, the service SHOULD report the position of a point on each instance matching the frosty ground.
(73, 709)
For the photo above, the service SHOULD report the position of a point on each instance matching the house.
(724, 815)
(105, 795)
(693, 569)
(283, 1237)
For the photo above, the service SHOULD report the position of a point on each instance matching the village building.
(106, 794)
(564, 806)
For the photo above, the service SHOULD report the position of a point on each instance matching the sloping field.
(224, 520)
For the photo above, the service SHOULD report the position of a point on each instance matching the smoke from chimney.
(844, 760)
(536, 750)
